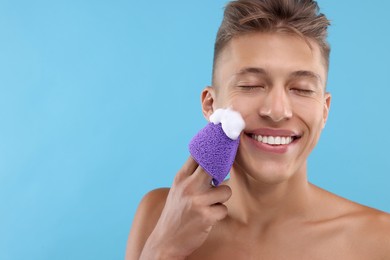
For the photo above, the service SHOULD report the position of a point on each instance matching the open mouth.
(274, 140)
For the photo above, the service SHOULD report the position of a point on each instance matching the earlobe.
(207, 100)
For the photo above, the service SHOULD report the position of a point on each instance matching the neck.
(258, 202)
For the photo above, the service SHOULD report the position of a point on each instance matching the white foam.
(232, 121)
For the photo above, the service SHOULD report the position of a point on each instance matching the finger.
(190, 165)
(216, 195)
(187, 169)
(201, 178)
(218, 212)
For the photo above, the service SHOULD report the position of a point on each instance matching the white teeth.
(273, 140)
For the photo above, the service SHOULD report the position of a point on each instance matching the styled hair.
(297, 17)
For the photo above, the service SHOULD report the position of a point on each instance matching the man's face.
(277, 83)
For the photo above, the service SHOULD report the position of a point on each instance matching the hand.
(192, 207)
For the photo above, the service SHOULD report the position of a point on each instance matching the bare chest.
(310, 243)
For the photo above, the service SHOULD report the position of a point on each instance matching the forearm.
(152, 251)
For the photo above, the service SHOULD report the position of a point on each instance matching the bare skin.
(267, 209)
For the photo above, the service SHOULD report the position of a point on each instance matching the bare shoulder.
(371, 232)
(145, 219)
(366, 229)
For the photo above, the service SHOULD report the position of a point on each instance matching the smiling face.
(277, 83)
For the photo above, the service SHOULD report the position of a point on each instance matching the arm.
(383, 223)
(145, 219)
(181, 220)
(372, 237)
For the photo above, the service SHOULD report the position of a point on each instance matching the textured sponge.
(214, 151)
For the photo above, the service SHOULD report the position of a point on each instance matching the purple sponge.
(214, 151)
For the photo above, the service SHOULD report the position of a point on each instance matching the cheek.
(233, 100)
(246, 106)
(311, 115)
(312, 110)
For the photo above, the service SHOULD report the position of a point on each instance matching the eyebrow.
(252, 70)
(296, 74)
(306, 74)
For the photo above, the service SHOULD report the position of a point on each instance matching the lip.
(278, 149)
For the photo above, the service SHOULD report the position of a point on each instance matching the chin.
(269, 172)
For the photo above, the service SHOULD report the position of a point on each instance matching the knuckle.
(228, 191)
(177, 179)
(187, 190)
(225, 192)
(197, 202)
(184, 169)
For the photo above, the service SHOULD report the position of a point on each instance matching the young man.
(271, 64)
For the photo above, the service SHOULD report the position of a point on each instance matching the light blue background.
(98, 100)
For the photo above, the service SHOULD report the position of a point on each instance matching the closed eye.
(300, 91)
(251, 87)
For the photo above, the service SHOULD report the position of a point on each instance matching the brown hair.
(299, 17)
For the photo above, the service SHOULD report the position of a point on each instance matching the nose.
(276, 105)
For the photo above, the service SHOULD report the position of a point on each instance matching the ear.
(328, 98)
(207, 100)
